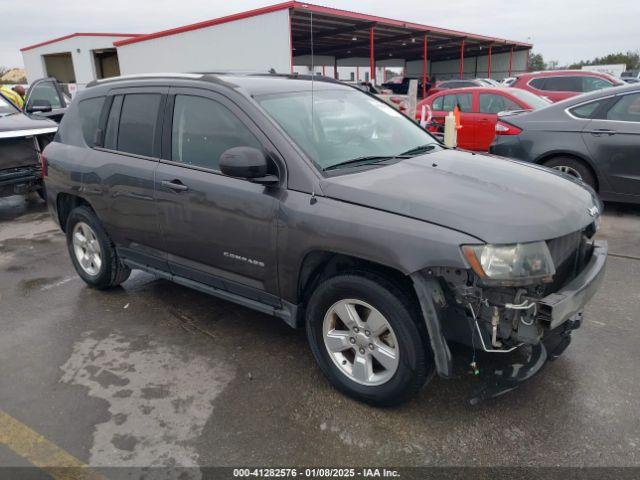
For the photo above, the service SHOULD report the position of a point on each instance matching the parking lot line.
(41, 452)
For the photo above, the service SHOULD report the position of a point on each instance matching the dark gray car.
(594, 137)
(317, 203)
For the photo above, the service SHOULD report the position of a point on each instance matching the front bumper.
(562, 305)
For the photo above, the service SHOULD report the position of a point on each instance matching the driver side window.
(203, 129)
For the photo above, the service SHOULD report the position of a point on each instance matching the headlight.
(520, 261)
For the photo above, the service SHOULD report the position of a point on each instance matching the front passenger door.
(217, 230)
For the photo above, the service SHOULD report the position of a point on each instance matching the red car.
(479, 107)
(558, 85)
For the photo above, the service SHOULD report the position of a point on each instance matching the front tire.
(92, 252)
(363, 332)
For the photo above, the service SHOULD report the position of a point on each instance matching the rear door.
(119, 172)
(613, 140)
(47, 90)
(217, 230)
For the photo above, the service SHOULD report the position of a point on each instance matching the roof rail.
(102, 81)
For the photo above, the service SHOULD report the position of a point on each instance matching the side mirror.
(247, 162)
(39, 106)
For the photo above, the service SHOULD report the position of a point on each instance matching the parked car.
(559, 85)
(630, 74)
(479, 108)
(22, 137)
(450, 84)
(507, 82)
(47, 97)
(324, 206)
(595, 138)
(630, 80)
(400, 85)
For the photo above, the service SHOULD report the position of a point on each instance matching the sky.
(563, 30)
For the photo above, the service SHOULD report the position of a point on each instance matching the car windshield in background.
(345, 127)
(529, 98)
(6, 107)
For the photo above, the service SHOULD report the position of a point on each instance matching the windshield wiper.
(420, 149)
(366, 160)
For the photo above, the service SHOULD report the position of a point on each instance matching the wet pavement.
(153, 373)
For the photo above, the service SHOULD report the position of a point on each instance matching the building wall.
(451, 68)
(251, 44)
(81, 49)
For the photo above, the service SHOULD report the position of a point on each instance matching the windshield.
(6, 106)
(536, 102)
(346, 125)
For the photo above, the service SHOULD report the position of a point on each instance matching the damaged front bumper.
(554, 316)
(558, 307)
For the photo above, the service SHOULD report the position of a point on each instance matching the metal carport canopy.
(345, 34)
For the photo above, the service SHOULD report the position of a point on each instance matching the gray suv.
(317, 203)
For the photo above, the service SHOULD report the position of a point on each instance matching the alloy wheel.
(87, 248)
(569, 171)
(361, 342)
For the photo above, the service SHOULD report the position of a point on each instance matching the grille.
(567, 253)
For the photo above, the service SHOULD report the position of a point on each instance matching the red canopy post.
(489, 62)
(510, 60)
(461, 58)
(424, 66)
(372, 60)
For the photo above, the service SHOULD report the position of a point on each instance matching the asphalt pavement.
(153, 373)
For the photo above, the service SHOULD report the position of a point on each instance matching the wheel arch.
(319, 264)
(576, 156)
(65, 203)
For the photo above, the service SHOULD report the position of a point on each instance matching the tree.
(631, 59)
(536, 62)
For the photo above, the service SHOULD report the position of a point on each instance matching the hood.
(22, 125)
(493, 199)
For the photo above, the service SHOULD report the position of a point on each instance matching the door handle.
(175, 185)
(603, 131)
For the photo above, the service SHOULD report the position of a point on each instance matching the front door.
(217, 230)
(614, 143)
(48, 91)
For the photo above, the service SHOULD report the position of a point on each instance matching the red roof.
(295, 5)
(66, 37)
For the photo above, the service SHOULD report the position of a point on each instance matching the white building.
(77, 58)
(349, 45)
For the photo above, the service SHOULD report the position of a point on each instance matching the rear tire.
(381, 369)
(573, 167)
(92, 252)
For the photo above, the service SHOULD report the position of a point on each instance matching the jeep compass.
(317, 203)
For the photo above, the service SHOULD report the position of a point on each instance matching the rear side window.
(587, 110)
(463, 100)
(591, 84)
(89, 111)
(203, 129)
(138, 118)
(627, 109)
(492, 103)
(558, 84)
